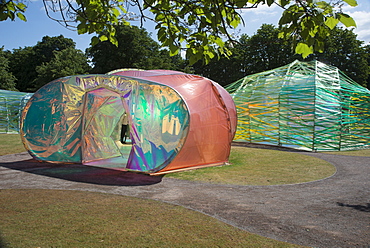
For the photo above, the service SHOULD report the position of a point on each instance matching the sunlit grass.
(55, 218)
(11, 143)
(252, 166)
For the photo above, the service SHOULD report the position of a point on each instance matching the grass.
(56, 218)
(10, 143)
(252, 166)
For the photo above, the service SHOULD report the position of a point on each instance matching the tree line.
(29, 68)
(199, 29)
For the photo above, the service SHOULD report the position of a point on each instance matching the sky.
(19, 34)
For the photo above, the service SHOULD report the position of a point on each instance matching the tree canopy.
(29, 68)
(259, 52)
(7, 80)
(264, 51)
(28, 64)
(345, 51)
(201, 28)
(135, 49)
(66, 62)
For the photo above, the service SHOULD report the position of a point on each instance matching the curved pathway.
(333, 212)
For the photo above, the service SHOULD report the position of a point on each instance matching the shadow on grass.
(2, 242)
(83, 173)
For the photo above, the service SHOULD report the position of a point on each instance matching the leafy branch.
(200, 28)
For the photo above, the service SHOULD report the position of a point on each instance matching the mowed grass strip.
(252, 166)
(10, 144)
(57, 218)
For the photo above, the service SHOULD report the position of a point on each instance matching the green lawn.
(56, 218)
(252, 166)
(10, 143)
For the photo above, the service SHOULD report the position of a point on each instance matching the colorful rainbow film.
(306, 105)
(176, 121)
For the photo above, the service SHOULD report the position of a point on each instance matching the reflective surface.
(176, 121)
(303, 105)
(11, 106)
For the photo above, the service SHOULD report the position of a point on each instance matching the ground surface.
(333, 212)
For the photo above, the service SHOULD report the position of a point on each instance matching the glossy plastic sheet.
(303, 105)
(176, 121)
(11, 106)
(212, 118)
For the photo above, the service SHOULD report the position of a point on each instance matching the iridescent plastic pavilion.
(177, 121)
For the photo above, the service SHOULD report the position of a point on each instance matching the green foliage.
(22, 63)
(200, 24)
(25, 63)
(135, 49)
(7, 80)
(260, 52)
(66, 62)
(264, 51)
(202, 29)
(12, 9)
(343, 50)
(44, 50)
(309, 23)
(225, 70)
(367, 52)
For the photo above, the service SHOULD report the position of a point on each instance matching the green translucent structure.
(304, 105)
(11, 106)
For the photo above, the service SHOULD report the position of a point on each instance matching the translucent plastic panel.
(51, 126)
(11, 106)
(75, 119)
(102, 112)
(306, 105)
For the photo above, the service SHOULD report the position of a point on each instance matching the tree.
(345, 51)
(135, 49)
(66, 62)
(22, 65)
(24, 61)
(260, 52)
(264, 51)
(45, 50)
(201, 28)
(224, 70)
(7, 80)
(367, 51)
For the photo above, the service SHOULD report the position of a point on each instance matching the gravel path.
(333, 212)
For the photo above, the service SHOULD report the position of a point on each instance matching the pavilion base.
(188, 168)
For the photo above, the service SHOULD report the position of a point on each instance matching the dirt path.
(334, 212)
